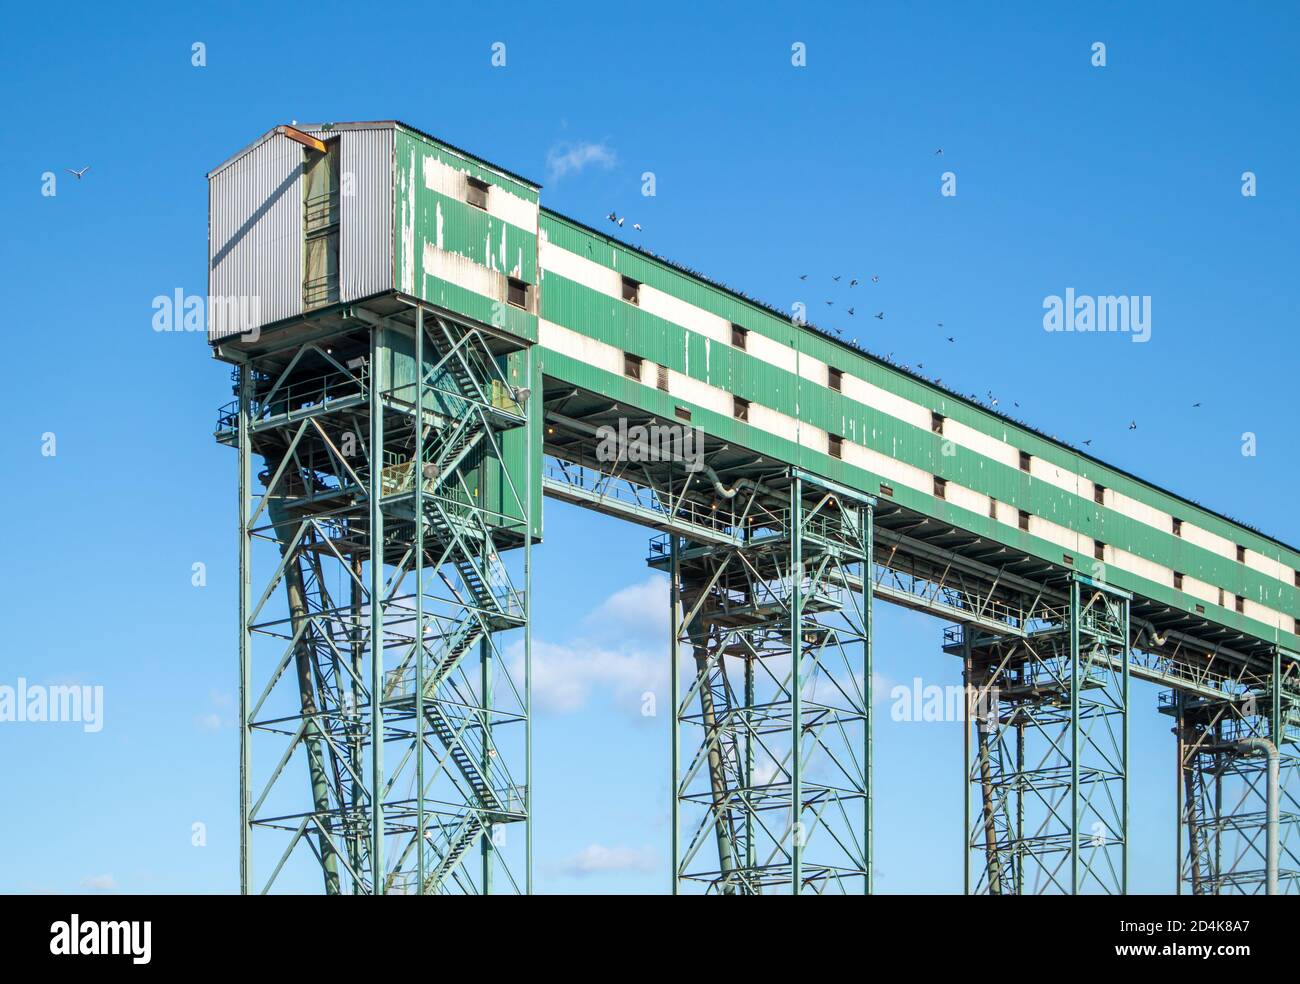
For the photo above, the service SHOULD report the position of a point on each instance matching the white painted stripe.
(464, 272)
(453, 182)
(691, 318)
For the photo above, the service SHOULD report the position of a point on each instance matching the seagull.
(77, 174)
(619, 222)
(1132, 425)
(920, 365)
(612, 217)
(1088, 443)
(880, 316)
(636, 226)
(951, 339)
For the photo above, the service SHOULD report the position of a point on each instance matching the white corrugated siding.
(366, 215)
(255, 231)
(255, 223)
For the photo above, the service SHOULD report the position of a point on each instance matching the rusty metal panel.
(255, 234)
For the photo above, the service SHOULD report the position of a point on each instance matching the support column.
(1048, 753)
(388, 756)
(776, 722)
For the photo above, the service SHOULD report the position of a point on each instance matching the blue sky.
(1122, 179)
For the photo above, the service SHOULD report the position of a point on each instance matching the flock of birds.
(990, 400)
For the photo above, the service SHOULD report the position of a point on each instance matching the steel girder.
(1047, 750)
(382, 687)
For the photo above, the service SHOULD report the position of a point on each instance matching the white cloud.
(640, 607)
(564, 676)
(571, 158)
(99, 883)
(597, 859)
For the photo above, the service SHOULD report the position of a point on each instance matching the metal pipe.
(1272, 829)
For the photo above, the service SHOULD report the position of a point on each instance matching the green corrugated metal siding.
(627, 327)
(424, 215)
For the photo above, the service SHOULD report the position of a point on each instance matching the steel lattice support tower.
(771, 738)
(1223, 781)
(385, 735)
(1047, 749)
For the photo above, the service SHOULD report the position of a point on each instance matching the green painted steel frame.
(794, 589)
(327, 508)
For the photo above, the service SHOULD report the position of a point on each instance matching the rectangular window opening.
(476, 192)
(517, 294)
(740, 408)
(835, 379)
(631, 291)
(662, 378)
(1241, 554)
(739, 336)
(1099, 494)
(940, 487)
(632, 366)
(682, 413)
(1098, 550)
(835, 445)
(1178, 526)
(1178, 580)
(936, 422)
(1025, 457)
(1024, 520)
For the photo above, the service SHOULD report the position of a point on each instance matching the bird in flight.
(850, 312)
(836, 277)
(77, 174)
(939, 152)
(853, 283)
(951, 339)
(636, 226)
(1088, 443)
(1132, 425)
(1197, 403)
(875, 278)
(803, 276)
(880, 316)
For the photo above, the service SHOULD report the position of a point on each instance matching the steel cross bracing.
(385, 733)
(1223, 781)
(771, 732)
(1047, 750)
